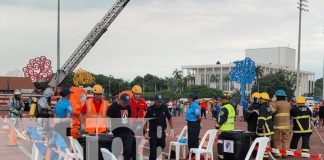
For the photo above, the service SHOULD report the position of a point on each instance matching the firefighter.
(158, 113)
(138, 104)
(16, 107)
(225, 121)
(301, 125)
(281, 124)
(251, 114)
(44, 112)
(94, 111)
(264, 124)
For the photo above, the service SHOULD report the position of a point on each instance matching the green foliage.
(203, 91)
(68, 81)
(282, 79)
(318, 89)
(236, 96)
(41, 85)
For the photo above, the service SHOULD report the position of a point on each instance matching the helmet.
(264, 95)
(17, 92)
(226, 96)
(97, 89)
(300, 100)
(137, 89)
(192, 95)
(256, 95)
(281, 93)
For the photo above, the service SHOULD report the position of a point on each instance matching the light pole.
(323, 81)
(302, 7)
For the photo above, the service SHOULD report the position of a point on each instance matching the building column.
(214, 74)
(197, 77)
(205, 76)
(221, 79)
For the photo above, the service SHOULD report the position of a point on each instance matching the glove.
(217, 126)
(171, 132)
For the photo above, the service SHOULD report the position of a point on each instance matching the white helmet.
(48, 92)
(17, 92)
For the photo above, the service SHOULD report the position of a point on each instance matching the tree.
(226, 79)
(177, 75)
(203, 91)
(214, 79)
(282, 79)
(318, 88)
(68, 81)
(83, 78)
(258, 75)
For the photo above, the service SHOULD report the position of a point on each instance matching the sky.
(158, 36)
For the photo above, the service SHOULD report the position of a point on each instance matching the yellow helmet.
(256, 95)
(97, 89)
(300, 100)
(137, 89)
(264, 95)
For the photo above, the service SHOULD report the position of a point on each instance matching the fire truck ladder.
(86, 45)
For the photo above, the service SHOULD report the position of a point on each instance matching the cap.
(125, 98)
(65, 91)
(192, 95)
(158, 98)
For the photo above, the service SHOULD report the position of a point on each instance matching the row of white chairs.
(207, 151)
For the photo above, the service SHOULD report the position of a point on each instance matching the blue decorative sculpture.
(243, 73)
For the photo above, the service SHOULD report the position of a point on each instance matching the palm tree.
(226, 79)
(258, 75)
(177, 75)
(214, 78)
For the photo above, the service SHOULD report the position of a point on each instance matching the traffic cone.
(5, 126)
(12, 137)
(48, 154)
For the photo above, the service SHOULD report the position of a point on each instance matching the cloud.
(157, 36)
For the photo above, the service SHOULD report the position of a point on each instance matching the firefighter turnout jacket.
(281, 112)
(265, 125)
(301, 119)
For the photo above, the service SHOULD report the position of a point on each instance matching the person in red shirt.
(203, 105)
(137, 103)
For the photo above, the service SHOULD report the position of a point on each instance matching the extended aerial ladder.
(86, 45)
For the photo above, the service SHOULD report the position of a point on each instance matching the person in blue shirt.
(63, 108)
(193, 119)
(63, 113)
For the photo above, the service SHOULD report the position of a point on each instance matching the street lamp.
(302, 7)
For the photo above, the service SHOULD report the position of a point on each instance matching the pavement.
(23, 150)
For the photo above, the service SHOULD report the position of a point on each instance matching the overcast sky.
(157, 36)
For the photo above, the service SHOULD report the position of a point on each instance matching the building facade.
(273, 59)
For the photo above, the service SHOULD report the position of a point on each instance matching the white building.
(269, 59)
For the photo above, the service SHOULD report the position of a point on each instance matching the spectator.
(239, 110)
(321, 114)
(170, 106)
(203, 106)
(174, 106)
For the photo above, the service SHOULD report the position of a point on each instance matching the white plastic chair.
(77, 148)
(107, 155)
(178, 145)
(36, 154)
(212, 133)
(262, 141)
